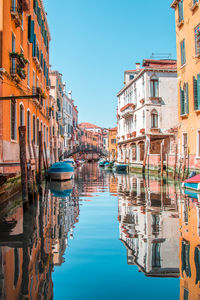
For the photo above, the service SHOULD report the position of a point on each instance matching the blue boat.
(192, 183)
(103, 163)
(61, 171)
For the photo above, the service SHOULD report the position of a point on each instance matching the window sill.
(14, 141)
(183, 66)
(194, 6)
(180, 23)
(184, 116)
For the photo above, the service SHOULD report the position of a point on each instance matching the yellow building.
(187, 14)
(112, 143)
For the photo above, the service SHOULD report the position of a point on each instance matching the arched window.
(28, 126)
(34, 133)
(154, 119)
(21, 115)
(13, 125)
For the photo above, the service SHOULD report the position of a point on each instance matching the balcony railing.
(127, 110)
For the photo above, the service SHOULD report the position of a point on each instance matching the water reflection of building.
(189, 252)
(149, 224)
(66, 212)
(29, 237)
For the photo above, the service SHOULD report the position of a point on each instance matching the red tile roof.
(160, 64)
(88, 125)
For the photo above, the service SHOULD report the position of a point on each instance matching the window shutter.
(198, 90)
(195, 93)
(34, 46)
(29, 28)
(182, 101)
(32, 32)
(151, 87)
(187, 99)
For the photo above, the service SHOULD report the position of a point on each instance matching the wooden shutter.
(187, 99)
(32, 32)
(198, 90)
(195, 93)
(182, 101)
(29, 28)
(34, 46)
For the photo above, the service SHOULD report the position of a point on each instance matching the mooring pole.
(40, 157)
(23, 162)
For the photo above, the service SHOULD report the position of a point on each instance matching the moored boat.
(61, 171)
(192, 183)
(120, 167)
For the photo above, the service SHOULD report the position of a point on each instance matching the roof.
(168, 65)
(130, 71)
(160, 63)
(113, 129)
(88, 125)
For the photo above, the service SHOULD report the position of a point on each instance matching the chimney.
(70, 95)
(137, 66)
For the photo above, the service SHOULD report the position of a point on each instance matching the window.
(184, 99)
(34, 129)
(21, 115)
(184, 142)
(197, 39)
(154, 88)
(13, 114)
(28, 126)
(47, 137)
(183, 56)
(196, 92)
(154, 119)
(198, 143)
(180, 10)
(28, 74)
(44, 133)
(33, 80)
(13, 63)
(38, 129)
(113, 141)
(131, 77)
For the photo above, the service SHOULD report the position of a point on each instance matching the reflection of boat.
(61, 171)
(192, 194)
(192, 183)
(61, 189)
(120, 167)
(103, 163)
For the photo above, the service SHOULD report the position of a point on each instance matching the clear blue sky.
(94, 41)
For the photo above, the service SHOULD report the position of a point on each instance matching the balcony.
(14, 74)
(155, 130)
(194, 5)
(127, 110)
(155, 100)
(16, 14)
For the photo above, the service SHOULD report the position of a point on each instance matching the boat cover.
(61, 167)
(195, 179)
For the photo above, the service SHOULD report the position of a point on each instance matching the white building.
(67, 120)
(147, 110)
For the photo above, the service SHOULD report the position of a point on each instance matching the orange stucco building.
(112, 143)
(187, 15)
(24, 70)
(189, 250)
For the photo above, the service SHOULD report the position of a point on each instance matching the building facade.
(24, 68)
(147, 112)
(112, 143)
(187, 15)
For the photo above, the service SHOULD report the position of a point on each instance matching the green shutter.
(182, 101)
(32, 31)
(187, 99)
(34, 46)
(195, 93)
(198, 90)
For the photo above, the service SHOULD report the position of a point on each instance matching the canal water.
(102, 236)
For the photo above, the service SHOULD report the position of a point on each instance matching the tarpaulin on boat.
(195, 179)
